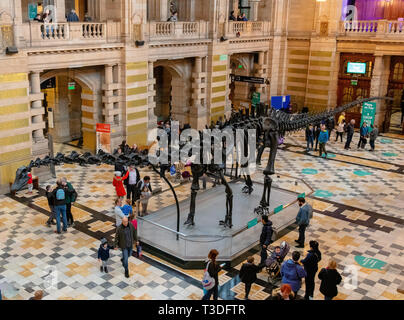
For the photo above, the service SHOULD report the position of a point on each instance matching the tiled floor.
(358, 201)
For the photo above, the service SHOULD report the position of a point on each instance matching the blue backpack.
(60, 194)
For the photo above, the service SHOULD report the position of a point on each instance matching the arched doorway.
(173, 90)
(393, 121)
(241, 92)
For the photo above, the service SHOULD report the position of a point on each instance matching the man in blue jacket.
(323, 139)
(303, 220)
(292, 272)
(265, 238)
(364, 134)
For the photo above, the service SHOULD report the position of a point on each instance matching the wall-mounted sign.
(255, 80)
(223, 57)
(104, 137)
(354, 82)
(71, 85)
(256, 98)
(50, 118)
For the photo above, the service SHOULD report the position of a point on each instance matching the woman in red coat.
(118, 183)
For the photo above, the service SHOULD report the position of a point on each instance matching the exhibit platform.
(190, 246)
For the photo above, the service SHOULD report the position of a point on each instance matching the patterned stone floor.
(358, 201)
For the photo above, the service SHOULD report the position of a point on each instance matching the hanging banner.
(32, 11)
(104, 137)
(256, 98)
(368, 113)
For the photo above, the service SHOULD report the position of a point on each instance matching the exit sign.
(71, 85)
(354, 82)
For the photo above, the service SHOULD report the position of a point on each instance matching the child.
(30, 185)
(133, 220)
(103, 254)
(144, 200)
(51, 203)
(277, 254)
(127, 208)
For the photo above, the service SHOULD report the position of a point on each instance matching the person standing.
(119, 215)
(174, 17)
(310, 264)
(51, 202)
(30, 182)
(71, 196)
(72, 16)
(330, 278)
(232, 17)
(60, 206)
(373, 136)
(265, 238)
(317, 132)
(364, 134)
(303, 220)
(118, 183)
(340, 130)
(292, 272)
(323, 139)
(125, 239)
(103, 254)
(131, 183)
(248, 275)
(350, 133)
(310, 137)
(145, 182)
(213, 269)
(341, 118)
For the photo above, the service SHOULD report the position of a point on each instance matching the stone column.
(36, 105)
(262, 72)
(379, 86)
(60, 8)
(152, 119)
(198, 111)
(108, 94)
(254, 9)
(164, 10)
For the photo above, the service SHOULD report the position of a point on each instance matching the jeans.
(126, 253)
(214, 291)
(69, 215)
(264, 255)
(309, 285)
(61, 211)
(348, 141)
(322, 149)
(302, 230)
(131, 192)
(372, 144)
(310, 141)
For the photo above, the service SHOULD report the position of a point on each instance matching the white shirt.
(132, 177)
(118, 216)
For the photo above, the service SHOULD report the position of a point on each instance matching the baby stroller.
(273, 264)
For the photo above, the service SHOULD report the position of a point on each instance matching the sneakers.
(105, 269)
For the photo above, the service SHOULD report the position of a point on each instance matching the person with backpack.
(60, 205)
(364, 132)
(302, 220)
(310, 264)
(248, 275)
(210, 280)
(330, 278)
(71, 197)
(292, 272)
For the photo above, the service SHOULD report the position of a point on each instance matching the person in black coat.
(310, 264)
(317, 132)
(330, 278)
(248, 274)
(265, 238)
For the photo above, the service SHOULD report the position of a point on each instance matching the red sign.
(102, 127)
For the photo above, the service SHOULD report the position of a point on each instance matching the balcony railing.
(51, 34)
(372, 28)
(248, 28)
(165, 31)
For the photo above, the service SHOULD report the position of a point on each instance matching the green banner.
(256, 99)
(32, 11)
(368, 113)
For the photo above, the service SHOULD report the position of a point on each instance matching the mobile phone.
(222, 265)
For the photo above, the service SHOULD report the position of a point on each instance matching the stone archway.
(77, 117)
(174, 89)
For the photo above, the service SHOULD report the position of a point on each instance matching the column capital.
(36, 71)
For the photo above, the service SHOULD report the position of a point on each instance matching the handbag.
(207, 281)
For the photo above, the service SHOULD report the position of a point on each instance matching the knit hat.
(118, 173)
(103, 241)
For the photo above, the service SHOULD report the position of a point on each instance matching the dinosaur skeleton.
(270, 125)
